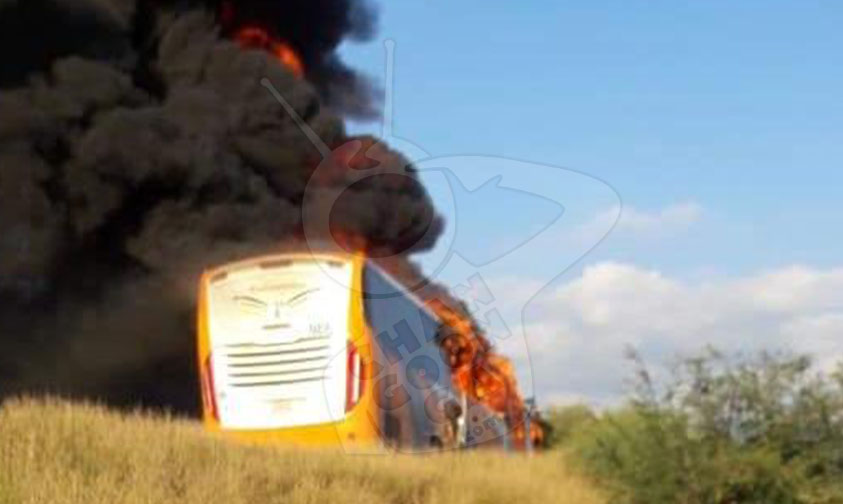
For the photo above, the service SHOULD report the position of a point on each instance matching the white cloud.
(674, 217)
(631, 222)
(820, 335)
(577, 332)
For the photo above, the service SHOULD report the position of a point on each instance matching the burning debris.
(137, 147)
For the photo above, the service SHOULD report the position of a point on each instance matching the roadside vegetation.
(57, 452)
(763, 429)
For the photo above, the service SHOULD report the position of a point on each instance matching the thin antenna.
(303, 126)
(389, 99)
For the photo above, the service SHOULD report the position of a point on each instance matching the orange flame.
(255, 37)
(483, 375)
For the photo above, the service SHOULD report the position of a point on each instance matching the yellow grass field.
(57, 452)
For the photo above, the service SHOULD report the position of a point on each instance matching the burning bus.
(323, 349)
(145, 146)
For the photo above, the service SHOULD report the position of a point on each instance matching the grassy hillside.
(56, 452)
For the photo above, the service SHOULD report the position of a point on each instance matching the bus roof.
(274, 260)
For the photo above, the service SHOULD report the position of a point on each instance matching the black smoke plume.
(138, 147)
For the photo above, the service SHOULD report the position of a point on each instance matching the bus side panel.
(414, 379)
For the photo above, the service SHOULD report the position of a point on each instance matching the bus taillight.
(354, 377)
(208, 388)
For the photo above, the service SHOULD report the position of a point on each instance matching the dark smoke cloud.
(34, 33)
(137, 147)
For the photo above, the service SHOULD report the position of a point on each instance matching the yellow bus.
(322, 349)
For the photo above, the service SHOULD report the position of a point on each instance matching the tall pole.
(529, 408)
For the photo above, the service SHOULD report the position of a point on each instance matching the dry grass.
(55, 452)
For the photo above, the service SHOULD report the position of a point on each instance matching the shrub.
(765, 429)
(561, 423)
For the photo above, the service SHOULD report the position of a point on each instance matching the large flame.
(482, 374)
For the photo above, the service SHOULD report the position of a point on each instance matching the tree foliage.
(719, 429)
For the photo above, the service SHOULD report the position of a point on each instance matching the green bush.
(561, 423)
(764, 430)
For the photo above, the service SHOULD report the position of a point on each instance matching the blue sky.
(719, 124)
